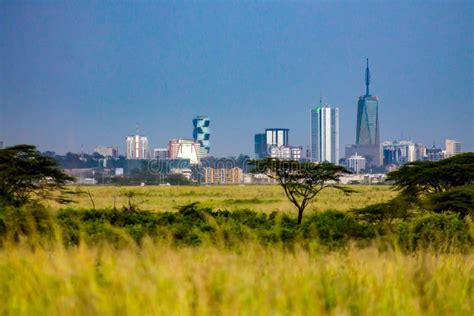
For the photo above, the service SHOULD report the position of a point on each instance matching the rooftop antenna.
(367, 78)
(136, 128)
(320, 99)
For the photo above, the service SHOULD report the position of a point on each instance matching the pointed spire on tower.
(367, 78)
(320, 99)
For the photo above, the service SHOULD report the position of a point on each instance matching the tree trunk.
(300, 215)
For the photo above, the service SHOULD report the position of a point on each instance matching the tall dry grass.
(158, 279)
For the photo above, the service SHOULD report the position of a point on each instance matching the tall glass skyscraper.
(325, 134)
(367, 116)
(260, 141)
(202, 134)
(368, 130)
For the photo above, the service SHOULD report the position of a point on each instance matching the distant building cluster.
(274, 144)
(368, 157)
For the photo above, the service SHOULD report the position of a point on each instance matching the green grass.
(265, 198)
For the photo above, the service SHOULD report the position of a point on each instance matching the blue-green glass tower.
(202, 134)
(367, 116)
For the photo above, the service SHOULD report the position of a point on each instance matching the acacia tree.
(301, 181)
(440, 186)
(27, 175)
(459, 200)
(419, 178)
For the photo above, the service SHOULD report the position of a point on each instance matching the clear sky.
(77, 74)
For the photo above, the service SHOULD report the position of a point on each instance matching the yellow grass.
(249, 279)
(265, 198)
(161, 280)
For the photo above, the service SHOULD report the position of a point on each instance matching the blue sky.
(78, 74)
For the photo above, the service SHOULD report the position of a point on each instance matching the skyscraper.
(137, 147)
(368, 130)
(260, 146)
(325, 134)
(201, 134)
(367, 116)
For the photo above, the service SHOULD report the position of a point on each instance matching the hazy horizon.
(74, 75)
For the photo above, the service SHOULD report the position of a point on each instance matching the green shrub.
(440, 232)
(334, 229)
(28, 221)
(193, 225)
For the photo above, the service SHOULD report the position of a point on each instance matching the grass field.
(161, 280)
(265, 198)
(247, 278)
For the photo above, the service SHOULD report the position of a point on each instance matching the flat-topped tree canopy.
(26, 175)
(302, 181)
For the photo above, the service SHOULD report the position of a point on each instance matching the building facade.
(372, 153)
(136, 147)
(260, 142)
(325, 134)
(276, 137)
(356, 163)
(402, 152)
(223, 175)
(434, 154)
(453, 147)
(107, 151)
(184, 149)
(161, 153)
(202, 134)
(286, 152)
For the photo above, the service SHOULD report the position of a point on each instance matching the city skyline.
(65, 87)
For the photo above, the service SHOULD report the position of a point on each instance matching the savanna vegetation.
(404, 249)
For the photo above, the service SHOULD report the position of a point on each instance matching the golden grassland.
(251, 280)
(159, 278)
(265, 198)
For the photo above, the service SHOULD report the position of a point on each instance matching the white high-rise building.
(137, 147)
(356, 163)
(325, 134)
(277, 136)
(453, 147)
